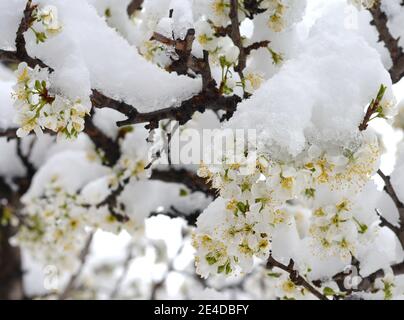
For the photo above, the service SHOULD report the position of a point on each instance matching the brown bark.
(11, 286)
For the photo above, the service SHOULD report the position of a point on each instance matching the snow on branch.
(396, 52)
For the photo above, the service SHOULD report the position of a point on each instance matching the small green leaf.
(277, 58)
(37, 85)
(274, 274)
(328, 291)
(40, 37)
(183, 192)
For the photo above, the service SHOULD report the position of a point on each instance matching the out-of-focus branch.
(112, 201)
(10, 259)
(157, 286)
(392, 44)
(25, 159)
(73, 279)
(125, 270)
(134, 6)
(10, 265)
(252, 8)
(173, 213)
(10, 133)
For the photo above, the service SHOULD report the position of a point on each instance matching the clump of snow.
(72, 169)
(307, 99)
(11, 15)
(86, 53)
(394, 11)
(6, 105)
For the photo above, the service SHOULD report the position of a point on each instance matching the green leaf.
(274, 274)
(382, 91)
(328, 291)
(277, 58)
(108, 13)
(40, 37)
(37, 85)
(183, 193)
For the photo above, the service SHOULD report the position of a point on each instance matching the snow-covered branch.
(380, 21)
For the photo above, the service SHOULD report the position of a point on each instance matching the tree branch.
(392, 44)
(389, 189)
(373, 108)
(295, 277)
(112, 201)
(10, 133)
(236, 37)
(201, 102)
(126, 265)
(185, 61)
(21, 52)
(134, 6)
(173, 213)
(110, 148)
(73, 279)
(209, 98)
(185, 177)
(256, 46)
(25, 160)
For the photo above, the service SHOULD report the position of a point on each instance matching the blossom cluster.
(38, 108)
(239, 225)
(57, 224)
(54, 229)
(212, 26)
(218, 11)
(46, 23)
(57, 221)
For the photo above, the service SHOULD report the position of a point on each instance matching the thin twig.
(389, 189)
(235, 35)
(73, 279)
(380, 21)
(295, 277)
(125, 270)
(25, 159)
